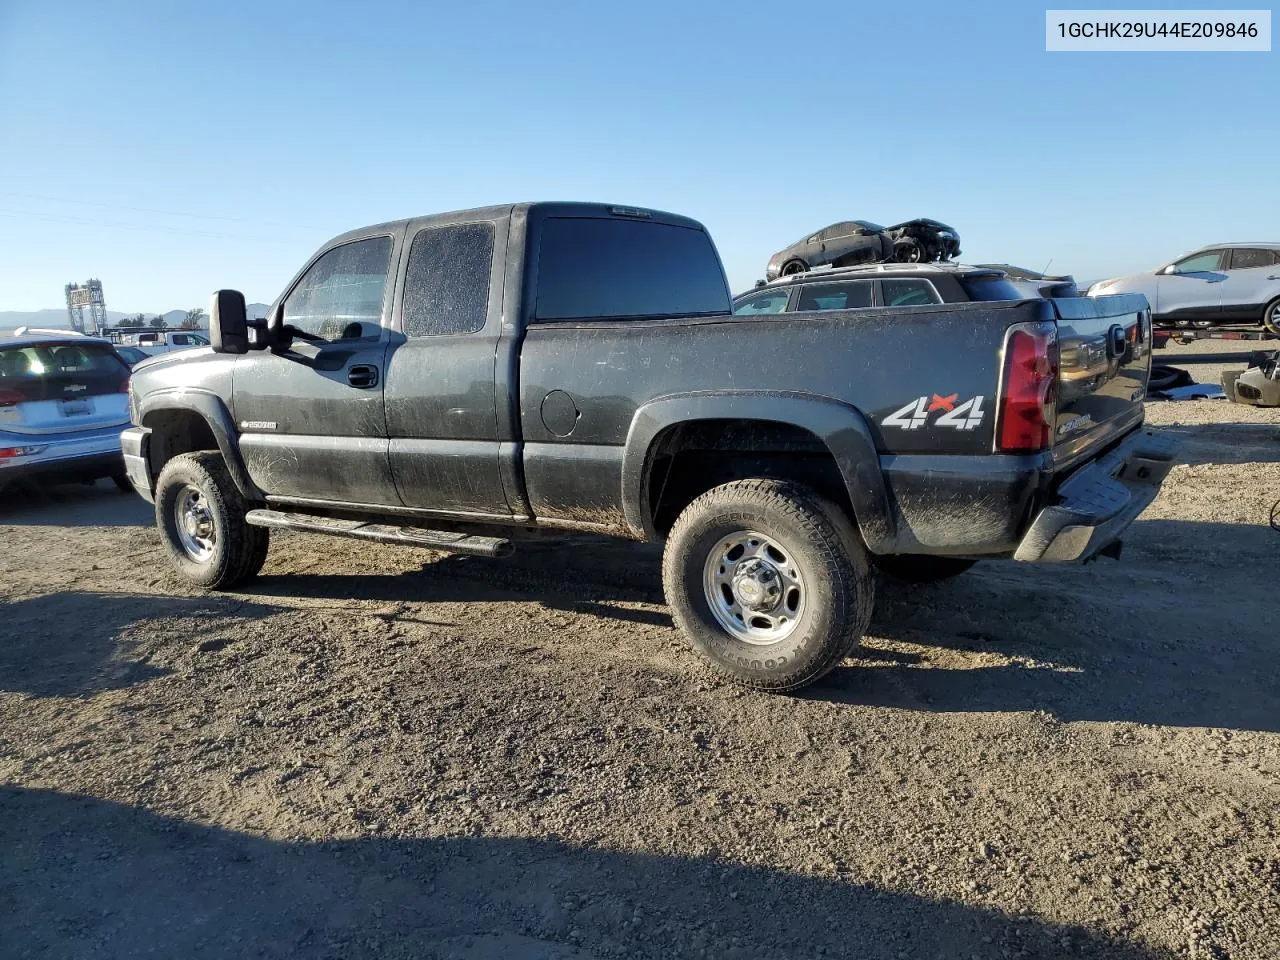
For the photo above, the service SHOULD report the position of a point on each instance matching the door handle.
(363, 375)
(1274, 276)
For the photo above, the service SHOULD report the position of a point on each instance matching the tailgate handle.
(1117, 342)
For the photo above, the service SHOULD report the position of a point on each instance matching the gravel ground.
(380, 751)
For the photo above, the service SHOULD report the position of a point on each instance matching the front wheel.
(1271, 317)
(201, 517)
(769, 582)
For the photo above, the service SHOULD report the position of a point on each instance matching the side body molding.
(841, 427)
(210, 407)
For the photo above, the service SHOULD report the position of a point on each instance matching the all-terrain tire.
(821, 545)
(922, 569)
(236, 550)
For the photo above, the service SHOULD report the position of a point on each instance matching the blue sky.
(172, 148)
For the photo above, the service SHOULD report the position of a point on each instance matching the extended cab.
(460, 380)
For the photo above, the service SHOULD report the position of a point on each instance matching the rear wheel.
(1202, 324)
(922, 569)
(201, 517)
(1271, 317)
(792, 267)
(769, 582)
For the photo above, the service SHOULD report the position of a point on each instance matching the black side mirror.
(228, 322)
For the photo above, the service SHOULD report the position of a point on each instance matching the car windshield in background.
(605, 269)
(59, 371)
(990, 286)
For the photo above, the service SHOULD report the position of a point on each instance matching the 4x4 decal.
(963, 416)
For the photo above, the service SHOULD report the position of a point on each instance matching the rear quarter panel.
(925, 378)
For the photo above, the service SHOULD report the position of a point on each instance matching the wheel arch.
(841, 430)
(186, 420)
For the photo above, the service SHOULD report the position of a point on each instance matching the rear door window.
(835, 296)
(447, 283)
(771, 301)
(59, 371)
(607, 269)
(1246, 258)
(908, 292)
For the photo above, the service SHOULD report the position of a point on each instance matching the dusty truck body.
(458, 381)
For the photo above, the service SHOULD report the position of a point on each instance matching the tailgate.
(1104, 347)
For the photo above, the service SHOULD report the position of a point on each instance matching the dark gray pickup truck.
(461, 380)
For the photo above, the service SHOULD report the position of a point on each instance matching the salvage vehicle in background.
(131, 355)
(1226, 283)
(881, 285)
(843, 244)
(62, 407)
(923, 241)
(853, 242)
(459, 380)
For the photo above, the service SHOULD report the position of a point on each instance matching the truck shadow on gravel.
(76, 644)
(579, 574)
(86, 877)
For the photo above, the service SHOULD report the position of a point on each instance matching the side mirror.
(1170, 270)
(228, 322)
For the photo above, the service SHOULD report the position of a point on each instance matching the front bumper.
(134, 442)
(1096, 504)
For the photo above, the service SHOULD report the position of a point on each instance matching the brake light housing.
(1028, 388)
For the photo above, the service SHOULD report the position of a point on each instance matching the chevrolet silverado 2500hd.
(457, 381)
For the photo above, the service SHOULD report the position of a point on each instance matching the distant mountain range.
(56, 318)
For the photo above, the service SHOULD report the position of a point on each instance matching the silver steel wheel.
(1272, 320)
(755, 587)
(194, 522)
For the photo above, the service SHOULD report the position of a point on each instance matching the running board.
(383, 533)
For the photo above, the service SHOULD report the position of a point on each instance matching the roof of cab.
(540, 208)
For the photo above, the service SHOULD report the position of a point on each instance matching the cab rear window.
(606, 269)
(41, 371)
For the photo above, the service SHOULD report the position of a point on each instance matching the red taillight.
(9, 397)
(1030, 394)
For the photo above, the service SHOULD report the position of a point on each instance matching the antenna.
(1046, 267)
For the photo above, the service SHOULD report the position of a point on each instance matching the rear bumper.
(134, 443)
(1096, 504)
(62, 458)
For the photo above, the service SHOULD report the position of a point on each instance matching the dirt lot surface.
(378, 751)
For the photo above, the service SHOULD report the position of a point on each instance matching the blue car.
(63, 402)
